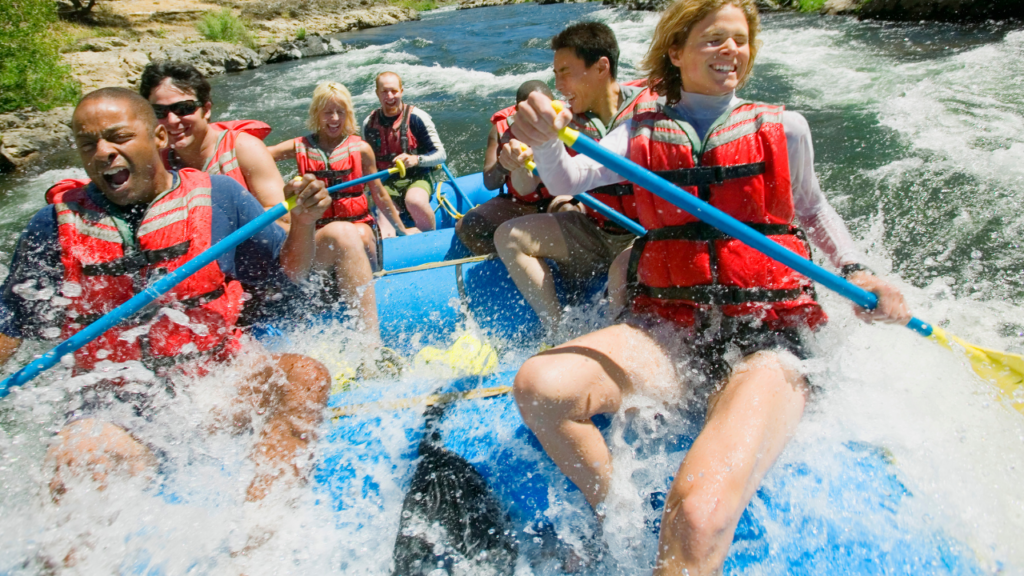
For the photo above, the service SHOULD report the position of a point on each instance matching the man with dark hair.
(180, 96)
(504, 166)
(399, 131)
(100, 241)
(584, 244)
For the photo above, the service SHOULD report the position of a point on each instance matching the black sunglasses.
(183, 108)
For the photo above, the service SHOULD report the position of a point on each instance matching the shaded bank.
(934, 10)
(956, 11)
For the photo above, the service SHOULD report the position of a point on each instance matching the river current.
(919, 141)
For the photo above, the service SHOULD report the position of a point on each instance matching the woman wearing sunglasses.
(709, 316)
(180, 96)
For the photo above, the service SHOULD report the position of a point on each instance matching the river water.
(919, 138)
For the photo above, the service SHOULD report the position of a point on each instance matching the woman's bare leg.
(417, 202)
(559, 390)
(523, 244)
(749, 422)
(341, 247)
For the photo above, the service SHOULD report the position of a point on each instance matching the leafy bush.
(224, 26)
(31, 71)
(810, 5)
(417, 5)
(300, 34)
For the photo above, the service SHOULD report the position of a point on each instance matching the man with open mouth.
(100, 241)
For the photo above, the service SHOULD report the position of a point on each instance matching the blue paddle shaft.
(610, 213)
(141, 299)
(455, 185)
(603, 209)
(383, 174)
(731, 226)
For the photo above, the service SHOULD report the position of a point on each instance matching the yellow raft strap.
(432, 265)
(416, 401)
(444, 203)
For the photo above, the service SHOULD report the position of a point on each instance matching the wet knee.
(343, 237)
(506, 239)
(700, 515)
(307, 378)
(536, 393)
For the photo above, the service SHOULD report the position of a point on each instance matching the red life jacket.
(224, 160)
(741, 168)
(618, 196)
(99, 276)
(390, 141)
(502, 120)
(342, 165)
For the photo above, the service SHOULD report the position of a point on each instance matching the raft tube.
(844, 510)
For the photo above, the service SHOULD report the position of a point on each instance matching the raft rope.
(432, 265)
(417, 401)
(446, 205)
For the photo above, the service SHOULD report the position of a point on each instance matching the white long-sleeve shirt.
(570, 175)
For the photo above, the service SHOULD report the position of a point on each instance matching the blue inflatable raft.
(842, 511)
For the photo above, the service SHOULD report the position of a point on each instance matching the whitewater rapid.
(919, 135)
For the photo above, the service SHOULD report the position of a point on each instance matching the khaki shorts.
(476, 229)
(591, 249)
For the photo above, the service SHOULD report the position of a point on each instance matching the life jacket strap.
(703, 232)
(356, 218)
(617, 190)
(136, 261)
(718, 295)
(331, 177)
(704, 176)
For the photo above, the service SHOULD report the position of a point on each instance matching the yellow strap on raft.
(439, 264)
(446, 205)
(417, 401)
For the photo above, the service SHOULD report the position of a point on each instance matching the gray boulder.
(28, 134)
(211, 58)
(310, 46)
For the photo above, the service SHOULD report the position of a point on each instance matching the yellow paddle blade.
(468, 356)
(1003, 369)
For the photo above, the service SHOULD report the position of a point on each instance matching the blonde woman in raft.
(347, 236)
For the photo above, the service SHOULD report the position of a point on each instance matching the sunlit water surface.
(919, 135)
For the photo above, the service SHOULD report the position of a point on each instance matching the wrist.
(851, 269)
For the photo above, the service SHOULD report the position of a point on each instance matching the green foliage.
(300, 34)
(417, 5)
(31, 71)
(809, 5)
(224, 26)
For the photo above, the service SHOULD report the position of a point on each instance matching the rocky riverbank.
(118, 61)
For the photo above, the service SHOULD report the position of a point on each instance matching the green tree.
(31, 72)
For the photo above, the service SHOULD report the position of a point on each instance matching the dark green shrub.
(31, 71)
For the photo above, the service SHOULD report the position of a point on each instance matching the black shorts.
(707, 352)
